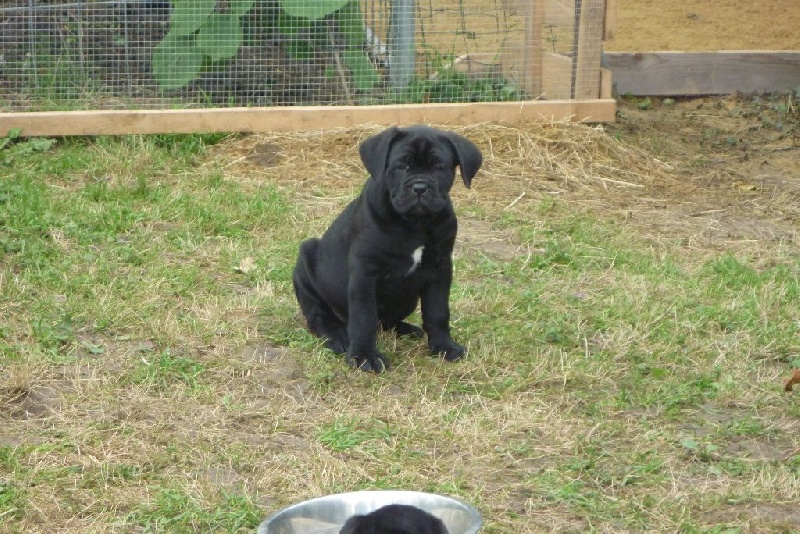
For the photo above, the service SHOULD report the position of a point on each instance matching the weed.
(13, 147)
(12, 501)
(347, 433)
(163, 372)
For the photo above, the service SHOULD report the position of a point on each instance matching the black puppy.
(395, 519)
(390, 248)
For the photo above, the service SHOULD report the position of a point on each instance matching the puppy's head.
(417, 166)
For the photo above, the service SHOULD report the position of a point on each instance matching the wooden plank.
(606, 83)
(587, 48)
(532, 47)
(308, 118)
(703, 73)
(557, 76)
(610, 20)
(521, 61)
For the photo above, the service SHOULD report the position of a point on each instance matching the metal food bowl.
(327, 515)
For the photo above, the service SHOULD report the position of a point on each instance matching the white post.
(401, 44)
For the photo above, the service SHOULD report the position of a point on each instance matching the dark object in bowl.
(395, 519)
(327, 515)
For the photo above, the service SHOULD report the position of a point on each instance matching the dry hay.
(524, 165)
(521, 163)
(577, 163)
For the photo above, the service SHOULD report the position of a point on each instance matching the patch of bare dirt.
(479, 236)
(775, 516)
(29, 403)
(275, 369)
(648, 25)
(735, 160)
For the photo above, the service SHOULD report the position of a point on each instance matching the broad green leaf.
(289, 25)
(239, 8)
(690, 443)
(188, 15)
(365, 76)
(176, 61)
(13, 133)
(350, 22)
(311, 9)
(220, 37)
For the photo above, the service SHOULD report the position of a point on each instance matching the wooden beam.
(606, 83)
(532, 47)
(703, 73)
(587, 48)
(283, 119)
(521, 60)
(610, 20)
(557, 76)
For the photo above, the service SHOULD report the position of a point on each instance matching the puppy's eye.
(439, 166)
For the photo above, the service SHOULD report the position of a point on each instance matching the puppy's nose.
(419, 187)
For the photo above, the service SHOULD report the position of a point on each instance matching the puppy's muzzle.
(418, 196)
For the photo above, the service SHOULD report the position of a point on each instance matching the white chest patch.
(416, 259)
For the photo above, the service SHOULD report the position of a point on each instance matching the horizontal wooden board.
(120, 122)
(703, 73)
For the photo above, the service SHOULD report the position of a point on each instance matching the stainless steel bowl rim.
(390, 496)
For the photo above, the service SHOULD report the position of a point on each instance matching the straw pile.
(576, 163)
(566, 156)
(520, 163)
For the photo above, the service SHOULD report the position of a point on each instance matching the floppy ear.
(375, 150)
(468, 156)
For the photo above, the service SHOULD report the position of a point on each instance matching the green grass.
(348, 433)
(179, 510)
(611, 384)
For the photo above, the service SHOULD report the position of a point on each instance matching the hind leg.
(393, 318)
(404, 329)
(320, 317)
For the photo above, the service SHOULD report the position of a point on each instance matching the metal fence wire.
(155, 54)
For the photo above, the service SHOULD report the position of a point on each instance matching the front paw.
(372, 361)
(449, 350)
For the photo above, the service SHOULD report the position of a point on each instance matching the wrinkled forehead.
(422, 148)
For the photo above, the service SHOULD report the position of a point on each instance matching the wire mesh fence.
(154, 54)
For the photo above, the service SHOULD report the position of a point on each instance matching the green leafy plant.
(198, 33)
(9, 139)
(447, 84)
(203, 34)
(13, 146)
(329, 26)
